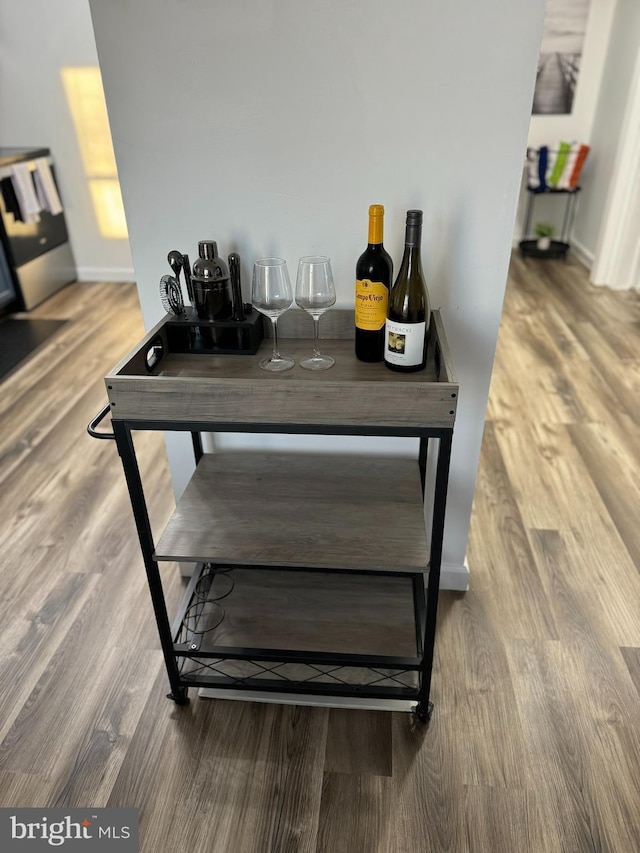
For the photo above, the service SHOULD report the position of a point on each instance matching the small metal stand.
(558, 248)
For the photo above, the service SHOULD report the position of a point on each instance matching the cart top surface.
(153, 382)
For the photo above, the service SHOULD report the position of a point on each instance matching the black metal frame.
(559, 247)
(425, 607)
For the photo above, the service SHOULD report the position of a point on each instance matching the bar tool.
(171, 295)
(236, 289)
(186, 268)
(175, 262)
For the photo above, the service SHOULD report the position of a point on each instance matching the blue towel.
(543, 154)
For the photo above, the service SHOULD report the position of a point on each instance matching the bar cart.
(294, 549)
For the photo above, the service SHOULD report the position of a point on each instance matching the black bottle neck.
(411, 260)
(413, 237)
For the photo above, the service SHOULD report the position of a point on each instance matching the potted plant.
(544, 231)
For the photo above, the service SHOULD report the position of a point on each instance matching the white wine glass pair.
(272, 295)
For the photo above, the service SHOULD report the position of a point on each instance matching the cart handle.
(102, 414)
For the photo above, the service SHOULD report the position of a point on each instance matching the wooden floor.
(535, 741)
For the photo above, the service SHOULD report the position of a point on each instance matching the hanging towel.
(25, 192)
(533, 179)
(542, 168)
(46, 187)
(575, 175)
(42, 199)
(552, 156)
(559, 164)
(10, 199)
(569, 166)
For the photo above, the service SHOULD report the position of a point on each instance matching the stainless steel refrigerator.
(36, 258)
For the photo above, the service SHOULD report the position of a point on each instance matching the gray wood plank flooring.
(535, 741)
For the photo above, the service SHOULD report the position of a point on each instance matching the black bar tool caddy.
(217, 321)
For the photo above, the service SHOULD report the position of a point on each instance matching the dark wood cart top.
(232, 389)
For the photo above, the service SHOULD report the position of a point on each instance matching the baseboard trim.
(187, 569)
(119, 274)
(582, 254)
(352, 703)
(454, 577)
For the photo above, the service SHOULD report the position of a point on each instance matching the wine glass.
(271, 295)
(315, 293)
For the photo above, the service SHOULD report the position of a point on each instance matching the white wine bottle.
(405, 337)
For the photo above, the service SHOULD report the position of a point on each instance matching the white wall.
(578, 124)
(39, 38)
(271, 125)
(617, 79)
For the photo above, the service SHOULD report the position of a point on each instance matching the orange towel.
(575, 175)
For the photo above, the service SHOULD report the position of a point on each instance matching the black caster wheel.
(422, 714)
(181, 697)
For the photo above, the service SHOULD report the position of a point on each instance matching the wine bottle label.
(372, 302)
(404, 343)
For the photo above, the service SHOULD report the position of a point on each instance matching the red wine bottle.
(374, 272)
(409, 310)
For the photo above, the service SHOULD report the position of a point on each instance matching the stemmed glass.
(315, 293)
(271, 295)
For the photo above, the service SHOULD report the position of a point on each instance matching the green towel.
(558, 167)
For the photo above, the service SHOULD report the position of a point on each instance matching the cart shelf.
(300, 510)
(308, 630)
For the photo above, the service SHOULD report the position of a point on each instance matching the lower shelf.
(332, 633)
(289, 509)
(556, 250)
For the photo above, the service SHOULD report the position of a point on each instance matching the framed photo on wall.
(565, 25)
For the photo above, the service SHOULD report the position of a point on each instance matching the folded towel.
(552, 155)
(575, 175)
(572, 156)
(46, 187)
(558, 167)
(533, 179)
(543, 154)
(25, 192)
(555, 168)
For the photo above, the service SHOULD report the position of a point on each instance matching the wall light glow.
(107, 203)
(85, 95)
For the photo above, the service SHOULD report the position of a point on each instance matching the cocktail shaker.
(210, 283)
